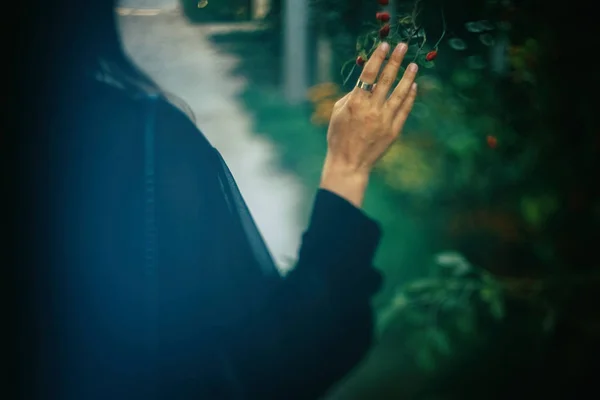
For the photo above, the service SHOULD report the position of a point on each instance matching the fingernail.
(401, 48)
(412, 67)
(385, 47)
(414, 86)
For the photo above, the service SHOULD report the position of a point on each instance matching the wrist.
(344, 180)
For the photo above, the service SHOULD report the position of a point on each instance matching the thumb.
(341, 102)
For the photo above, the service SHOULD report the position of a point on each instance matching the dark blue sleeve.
(316, 324)
(319, 323)
(340, 241)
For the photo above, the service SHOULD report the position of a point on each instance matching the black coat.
(212, 319)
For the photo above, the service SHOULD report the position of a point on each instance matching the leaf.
(497, 308)
(332, 16)
(531, 45)
(415, 317)
(465, 323)
(487, 294)
(440, 341)
(425, 359)
(531, 211)
(406, 20)
(423, 284)
(457, 44)
(549, 322)
(488, 278)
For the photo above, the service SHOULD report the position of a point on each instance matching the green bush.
(513, 190)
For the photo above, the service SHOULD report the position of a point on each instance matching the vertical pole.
(295, 60)
(324, 59)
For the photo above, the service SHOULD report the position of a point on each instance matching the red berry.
(383, 16)
(431, 55)
(492, 142)
(383, 2)
(384, 31)
(360, 61)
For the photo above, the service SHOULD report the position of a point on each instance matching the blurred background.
(489, 200)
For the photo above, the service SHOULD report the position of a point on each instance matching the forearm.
(318, 323)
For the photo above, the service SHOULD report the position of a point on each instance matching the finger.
(405, 108)
(389, 73)
(372, 67)
(402, 90)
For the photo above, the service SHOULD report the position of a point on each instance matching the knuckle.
(369, 73)
(372, 114)
(379, 55)
(400, 96)
(397, 98)
(396, 58)
(353, 104)
(401, 91)
(386, 79)
(395, 61)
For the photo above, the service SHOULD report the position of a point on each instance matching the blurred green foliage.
(258, 52)
(496, 172)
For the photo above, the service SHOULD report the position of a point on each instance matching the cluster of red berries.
(384, 31)
(384, 18)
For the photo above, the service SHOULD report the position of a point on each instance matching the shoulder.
(133, 112)
(178, 127)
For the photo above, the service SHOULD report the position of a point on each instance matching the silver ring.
(364, 86)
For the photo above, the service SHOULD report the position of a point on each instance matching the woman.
(155, 281)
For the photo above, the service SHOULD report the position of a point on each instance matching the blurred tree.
(500, 158)
(499, 163)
